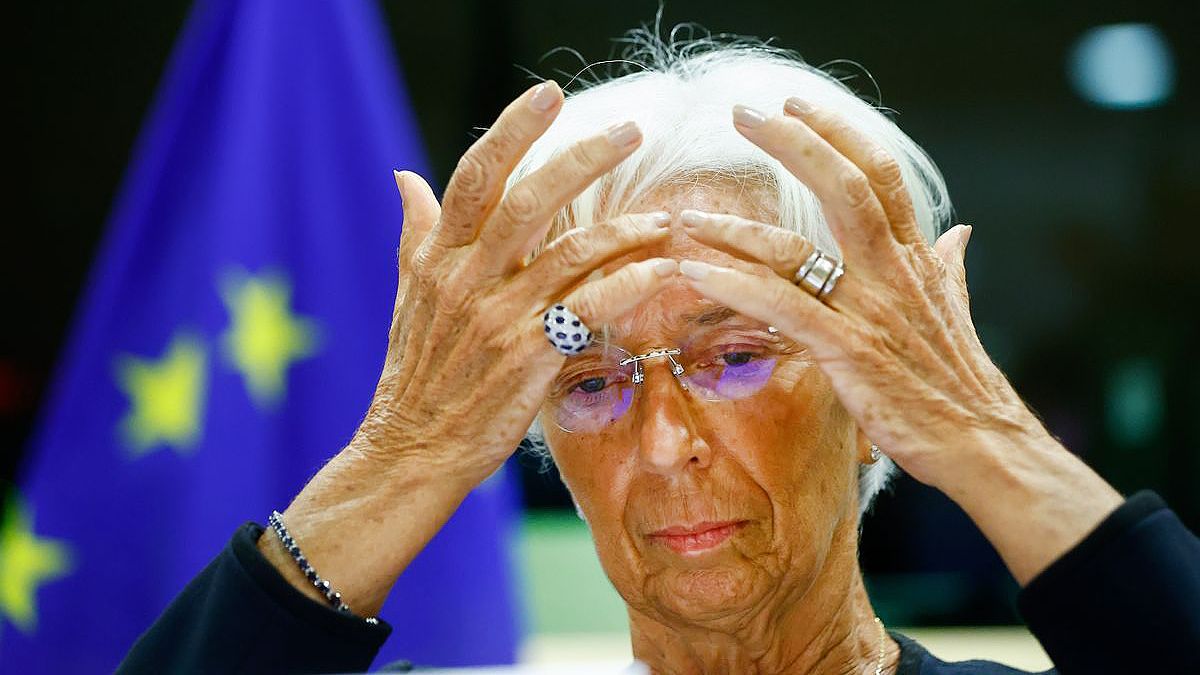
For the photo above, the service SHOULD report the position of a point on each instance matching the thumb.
(951, 247)
(421, 212)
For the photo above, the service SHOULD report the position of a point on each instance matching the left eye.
(737, 358)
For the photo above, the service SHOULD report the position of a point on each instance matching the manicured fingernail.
(694, 270)
(545, 96)
(694, 218)
(797, 106)
(624, 134)
(665, 268)
(399, 176)
(967, 236)
(660, 219)
(748, 117)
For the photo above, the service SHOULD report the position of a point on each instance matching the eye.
(592, 385)
(737, 358)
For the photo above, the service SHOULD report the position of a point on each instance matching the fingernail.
(624, 134)
(694, 218)
(798, 106)
(545, 96)
(694, 270)
(660, 219)
(399, 182)
(748, 117)
(967, 236)
(665, 268)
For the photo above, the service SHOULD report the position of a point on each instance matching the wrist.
(1030, 496)
(384, 445)
(363, 518)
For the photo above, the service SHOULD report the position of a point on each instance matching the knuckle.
(574, 249)
(423, 261)
(783, 249)
(588, 305)
(622, 231)
(522, 204)
(856, 187)
(887, 169)
(583, 155)
(470, 177)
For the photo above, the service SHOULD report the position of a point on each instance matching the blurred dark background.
(1083, 265)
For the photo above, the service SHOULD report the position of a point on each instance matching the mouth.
(696, 539)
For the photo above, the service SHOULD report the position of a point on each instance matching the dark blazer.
(1125, 600)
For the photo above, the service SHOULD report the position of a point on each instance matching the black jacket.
(1125, 600)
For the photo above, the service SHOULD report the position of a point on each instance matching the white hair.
(680, 94)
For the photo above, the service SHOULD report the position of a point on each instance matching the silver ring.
(566, 331)
(819, 274)
(876, 453)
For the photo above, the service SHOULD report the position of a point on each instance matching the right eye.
(592, 385)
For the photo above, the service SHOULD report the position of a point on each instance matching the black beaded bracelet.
(322, 585)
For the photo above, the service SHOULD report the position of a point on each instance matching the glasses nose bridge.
(668, 355)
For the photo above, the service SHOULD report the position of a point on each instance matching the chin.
(708, 593)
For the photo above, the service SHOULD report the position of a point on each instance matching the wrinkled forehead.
(678, 310)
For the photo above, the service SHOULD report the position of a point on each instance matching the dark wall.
(1083, 262)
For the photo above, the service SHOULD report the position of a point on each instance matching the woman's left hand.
(895, 336)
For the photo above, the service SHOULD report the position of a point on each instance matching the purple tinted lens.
(733, 382)
(591, 411)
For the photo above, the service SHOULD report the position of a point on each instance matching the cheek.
(594, 470)
(794, 441)
(599, 475)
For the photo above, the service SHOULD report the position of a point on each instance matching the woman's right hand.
(467, 364)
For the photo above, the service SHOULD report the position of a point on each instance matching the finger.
(603, 300)
(421, 212)
(478, 180)
(880, 168)
(951, 247)
(853, 212)
(525, 213)
(772, 300)
(578, 252)
(782, 250)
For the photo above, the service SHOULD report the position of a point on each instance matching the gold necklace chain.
(879, 663)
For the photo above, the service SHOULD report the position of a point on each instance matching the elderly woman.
(709, 285)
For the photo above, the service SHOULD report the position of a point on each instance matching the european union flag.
(228, 344)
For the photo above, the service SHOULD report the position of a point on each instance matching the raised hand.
(467, 362)
(895, 336)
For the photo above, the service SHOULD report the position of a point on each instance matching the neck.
(829, 628)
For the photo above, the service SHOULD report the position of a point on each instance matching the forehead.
(678, 305)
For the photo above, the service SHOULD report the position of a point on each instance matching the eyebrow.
(710, 317)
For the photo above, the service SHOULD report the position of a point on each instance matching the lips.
(692, 539)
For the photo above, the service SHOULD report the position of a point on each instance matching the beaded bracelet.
(333, 597)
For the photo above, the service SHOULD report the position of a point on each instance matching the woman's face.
(775, 467)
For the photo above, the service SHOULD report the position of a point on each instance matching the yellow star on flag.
(166, 396)
(264, 336)
(26, 562)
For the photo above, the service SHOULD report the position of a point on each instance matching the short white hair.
(681, 95)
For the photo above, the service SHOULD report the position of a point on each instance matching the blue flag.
(228, 344)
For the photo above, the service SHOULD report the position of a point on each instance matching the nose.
(667, 439)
